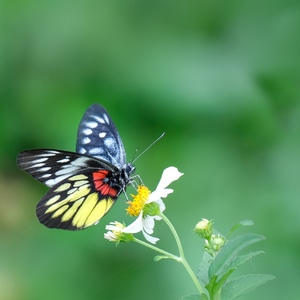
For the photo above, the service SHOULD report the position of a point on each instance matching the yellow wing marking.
(85, 209)
(54, 203)
(99, 211)
(72, 210)
(80, 183)
(60, 211)
(78, 177)
(75, 202)
(52, 200)
(79, 193)
(56, 206)
(63, 187)
(91, 211)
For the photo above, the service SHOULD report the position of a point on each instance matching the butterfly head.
(126, 173)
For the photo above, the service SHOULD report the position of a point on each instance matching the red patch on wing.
(104, 188)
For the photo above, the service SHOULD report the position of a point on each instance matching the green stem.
(197, 283)
(184, 262)
(174, 232)
(150, 246)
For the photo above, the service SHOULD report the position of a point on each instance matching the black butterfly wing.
(53, 166)
(81, 191)
(78, 201)
(98, 137)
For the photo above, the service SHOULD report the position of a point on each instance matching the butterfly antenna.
(161, 136)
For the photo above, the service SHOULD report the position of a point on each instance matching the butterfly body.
(83, 184)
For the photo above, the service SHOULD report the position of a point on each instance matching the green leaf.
(243, 285)
(222, 262)
(238, 225)
(210, 286)
(216, 283)
(204, 297)
(194, 297)
(159, 257)
(239, 260)
(202, 273)
(214, 286)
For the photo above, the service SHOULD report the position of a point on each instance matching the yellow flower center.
(137, 204)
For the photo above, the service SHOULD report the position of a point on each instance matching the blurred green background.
(221, 78)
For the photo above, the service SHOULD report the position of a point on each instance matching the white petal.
(162, 206)
(110, 236)
(148, 224)
(157, 194)
(113, 226)
(135, 226)
(168, 176)
(150, 238)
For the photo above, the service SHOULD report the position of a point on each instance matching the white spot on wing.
(109, 142)
(52, 182)
(100, 120)
(105, 116)
(45, 176)
(95, 151)
(81, 161)
(50, 153)
(64, 160)
(45, 169)
(40, 160)
(102, 135)
(68, 170)
(92, 124)
(87, 131)
(37, 165)
(86, 140)
(82, 150)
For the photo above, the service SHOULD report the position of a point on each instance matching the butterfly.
(84, 184)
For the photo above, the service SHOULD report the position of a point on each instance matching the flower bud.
(204, 228)
(217, 241)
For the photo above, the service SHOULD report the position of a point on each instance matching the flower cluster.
(214, 270)
(213, 242)
(147, 207)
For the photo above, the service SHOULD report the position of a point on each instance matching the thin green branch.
(198, 284)
(154, 248)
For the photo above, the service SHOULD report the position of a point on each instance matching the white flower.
(115, 231)
(147, 206)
